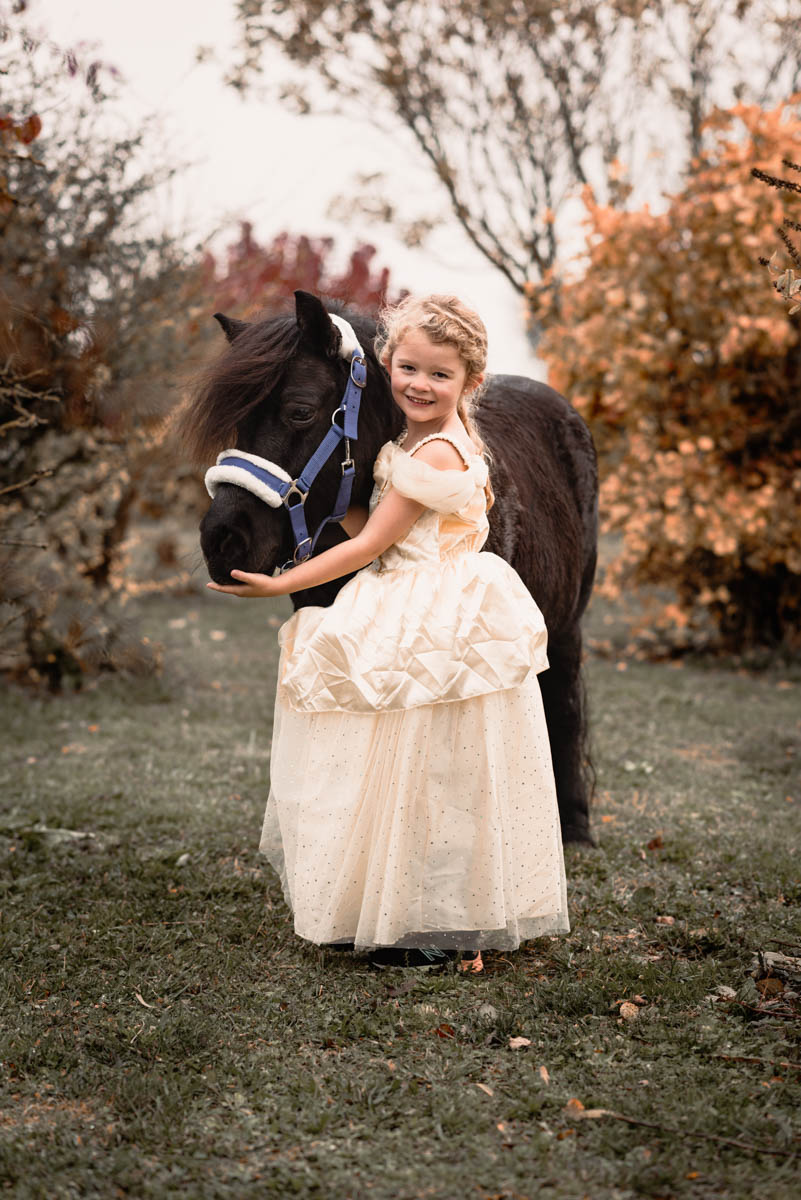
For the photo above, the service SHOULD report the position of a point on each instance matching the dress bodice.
(455, 516)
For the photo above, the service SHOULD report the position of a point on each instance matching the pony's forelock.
(235, 383)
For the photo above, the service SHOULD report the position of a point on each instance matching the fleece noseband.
(275, 487)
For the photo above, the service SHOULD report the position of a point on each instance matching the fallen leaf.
(563, 1133)
(629, 1011)
(665, 920)
(143, 1001)
(517, 1043)
(656, 843)
(592, 1114)
(445, 1031)
(486, 1089)
(218, 635)
(544, 1076)
(574, 1106)
(770, 986)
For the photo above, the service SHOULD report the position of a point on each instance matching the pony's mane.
(236, 382)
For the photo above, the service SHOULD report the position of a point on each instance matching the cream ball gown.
(412, 798)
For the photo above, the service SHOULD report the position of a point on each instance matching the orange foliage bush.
(675, 348)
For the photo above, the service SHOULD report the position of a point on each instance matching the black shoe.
(396, 956)
(337, 946)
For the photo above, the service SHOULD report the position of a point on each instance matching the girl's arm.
(354, 520)
(392, 519)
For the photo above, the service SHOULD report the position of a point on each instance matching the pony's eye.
(301, 415)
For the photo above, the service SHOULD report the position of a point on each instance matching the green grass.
(166, 1035)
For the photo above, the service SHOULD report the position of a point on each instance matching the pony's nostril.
(225, 544)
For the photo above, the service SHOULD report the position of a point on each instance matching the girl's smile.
(427, 378)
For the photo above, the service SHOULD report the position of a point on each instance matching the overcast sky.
(254, 160)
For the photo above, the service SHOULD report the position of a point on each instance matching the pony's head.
(272, 394)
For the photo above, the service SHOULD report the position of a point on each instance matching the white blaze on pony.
(228, 472)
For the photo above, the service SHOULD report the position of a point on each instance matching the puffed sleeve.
(444, 491)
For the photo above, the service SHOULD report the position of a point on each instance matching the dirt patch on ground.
(706, 753)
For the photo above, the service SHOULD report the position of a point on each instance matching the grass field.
(166, 1035)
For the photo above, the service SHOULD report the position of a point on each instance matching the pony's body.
(276, 388)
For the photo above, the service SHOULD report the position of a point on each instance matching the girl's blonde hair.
(445, 320)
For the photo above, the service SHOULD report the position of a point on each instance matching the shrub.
(672, 344)
(78, 393)
(99, 320)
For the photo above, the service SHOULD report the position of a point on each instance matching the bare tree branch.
(518, 104)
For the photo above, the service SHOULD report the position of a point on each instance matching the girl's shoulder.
(445, 451)
(438, 475)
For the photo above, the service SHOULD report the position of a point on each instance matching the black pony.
(272, 393)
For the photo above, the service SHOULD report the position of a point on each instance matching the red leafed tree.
(256, 277)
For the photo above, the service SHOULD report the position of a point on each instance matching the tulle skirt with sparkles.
(435, 825)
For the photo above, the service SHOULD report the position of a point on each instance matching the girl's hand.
(253, 586)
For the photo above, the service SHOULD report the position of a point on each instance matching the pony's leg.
(566, 715)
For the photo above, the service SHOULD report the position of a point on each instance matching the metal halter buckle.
(357, 358)
(347, 460)
(295, 559)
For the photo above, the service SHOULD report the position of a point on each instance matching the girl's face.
(427, 378)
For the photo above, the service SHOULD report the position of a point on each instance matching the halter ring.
(294, 490)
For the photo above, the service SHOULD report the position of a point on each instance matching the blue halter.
(271, 483)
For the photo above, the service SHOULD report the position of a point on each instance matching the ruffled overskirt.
(432, 632)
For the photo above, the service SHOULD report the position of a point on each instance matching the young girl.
(412, 808)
